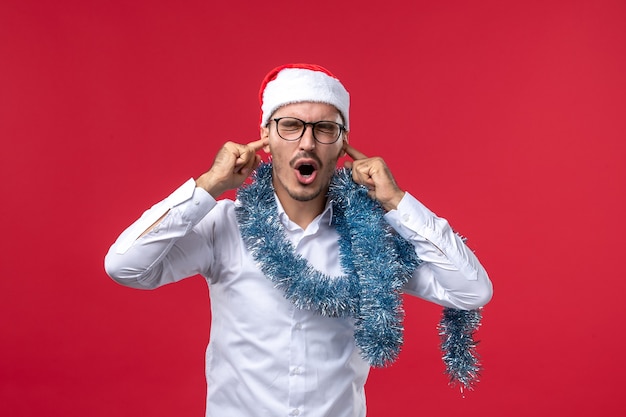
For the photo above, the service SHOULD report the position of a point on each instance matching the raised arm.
(451, 274)
(163, 245)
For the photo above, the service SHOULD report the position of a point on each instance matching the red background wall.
(508, 118)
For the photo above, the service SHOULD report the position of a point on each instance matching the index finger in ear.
(257, 145)
(353, 153)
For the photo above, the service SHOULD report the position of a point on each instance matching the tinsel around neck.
(376, 261)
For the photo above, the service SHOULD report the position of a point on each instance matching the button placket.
(297, 379)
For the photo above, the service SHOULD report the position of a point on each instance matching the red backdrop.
(508, 118)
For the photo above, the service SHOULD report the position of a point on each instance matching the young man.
(305, 269)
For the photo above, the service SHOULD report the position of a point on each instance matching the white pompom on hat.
(297, 83)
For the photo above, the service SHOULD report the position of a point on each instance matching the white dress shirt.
(265, 357)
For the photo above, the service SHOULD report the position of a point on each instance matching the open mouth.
(306, 171)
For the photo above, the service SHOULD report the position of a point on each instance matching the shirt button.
(295, 412)
(406, 217)
(297, 326)
(196, 202)
(296, 371)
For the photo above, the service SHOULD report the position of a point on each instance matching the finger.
(244, 160)
(361, 174)
(352, 152)
(363, 179)
(248, 153)
(257, 145)
(250, 166)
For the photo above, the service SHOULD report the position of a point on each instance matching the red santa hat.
(295, 83)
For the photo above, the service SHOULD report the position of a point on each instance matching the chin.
(304, 196)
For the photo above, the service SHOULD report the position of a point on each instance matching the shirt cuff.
(410, 218)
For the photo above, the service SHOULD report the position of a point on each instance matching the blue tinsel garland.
(456, 330)
(377, 263)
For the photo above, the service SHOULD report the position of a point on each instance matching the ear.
(265, 134)
(343, 142)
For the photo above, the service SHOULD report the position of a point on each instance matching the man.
(303, 269)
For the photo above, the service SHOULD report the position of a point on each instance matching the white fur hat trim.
(296, 85)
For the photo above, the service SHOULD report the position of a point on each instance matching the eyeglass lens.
(290, 128)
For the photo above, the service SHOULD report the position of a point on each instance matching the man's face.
(302, 169)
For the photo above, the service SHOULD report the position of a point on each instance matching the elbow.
(121, 273)
(484, 297)
(487, 290)
(482, 292)
(111, 267)
(115, 270)
(476, 297)
(479, 298)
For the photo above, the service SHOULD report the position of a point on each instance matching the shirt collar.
(325, 216)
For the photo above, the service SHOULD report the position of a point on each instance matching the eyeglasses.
(292, 129)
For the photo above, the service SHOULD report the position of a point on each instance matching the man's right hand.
(233, 163)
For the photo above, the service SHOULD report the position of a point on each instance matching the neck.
(301, 213)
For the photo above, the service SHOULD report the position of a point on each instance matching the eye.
(290, 125)
(327, 128)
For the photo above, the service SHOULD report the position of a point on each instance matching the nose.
(307, 141)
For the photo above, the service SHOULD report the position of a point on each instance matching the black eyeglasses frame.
(342, 129)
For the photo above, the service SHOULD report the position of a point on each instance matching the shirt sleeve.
(172, 250)
(451, 275)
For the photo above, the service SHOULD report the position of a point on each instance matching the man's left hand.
(374, 174)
